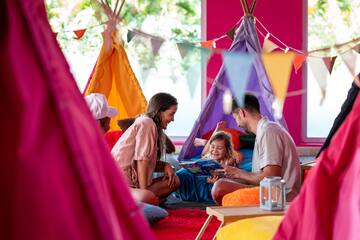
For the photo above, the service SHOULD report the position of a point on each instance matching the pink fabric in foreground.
(57, 177)
(328, 206)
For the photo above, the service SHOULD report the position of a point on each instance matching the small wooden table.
(227, 215)
(308, 165)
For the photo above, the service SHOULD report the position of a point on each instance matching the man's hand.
(232, 172)
(170, 174)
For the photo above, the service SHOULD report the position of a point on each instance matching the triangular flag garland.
(278, 69)
(231, 33)
(208, 47)
(329, 63)
(156, 44)
(184, 48)
(357, 48)
(238, 68)
(349, 58)
(299, 59)
(130, 35)
(208, 44)
(269, 46)
(205, 55)
(320, 73)
(79, 33)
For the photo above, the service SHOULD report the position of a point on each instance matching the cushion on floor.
(260, 228)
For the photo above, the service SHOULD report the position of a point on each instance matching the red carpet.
(184, 224)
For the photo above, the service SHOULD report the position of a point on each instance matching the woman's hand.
(170, 174)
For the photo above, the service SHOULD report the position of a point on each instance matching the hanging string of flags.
(287, 57)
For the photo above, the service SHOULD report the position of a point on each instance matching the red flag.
(298, 61)
(329, 62)
(79, 33)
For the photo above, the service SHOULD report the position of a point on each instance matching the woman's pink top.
(138, 142)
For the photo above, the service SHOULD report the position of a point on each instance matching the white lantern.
(272, 194)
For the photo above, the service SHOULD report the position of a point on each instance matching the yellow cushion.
(258, 228)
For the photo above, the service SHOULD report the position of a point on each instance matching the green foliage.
(322, 31)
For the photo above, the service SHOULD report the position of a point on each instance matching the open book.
(203, 167)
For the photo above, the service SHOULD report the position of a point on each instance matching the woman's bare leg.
(145, 196)
(161, 188)
(224, 186)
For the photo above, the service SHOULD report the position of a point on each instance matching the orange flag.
(299, 59)
(278, 68)
(79, 33)
(208, 44)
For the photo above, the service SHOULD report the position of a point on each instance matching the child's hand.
(212, 179)
(220, 126)
(238, 156)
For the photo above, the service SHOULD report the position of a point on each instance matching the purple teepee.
(246, 41)
(57, 177)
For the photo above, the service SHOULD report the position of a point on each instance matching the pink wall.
(284, 20)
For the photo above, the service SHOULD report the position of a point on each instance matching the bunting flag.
(320, 74)
(79, 33)
(357, 48)
(350, 58)
(208, 44)
(231, 32)
(193, 76)
(130, 35)
(278, 69)
(299, 59)
(329, 63)
(184, 48)
(269, 46)
(237, 67)
(205, 55)
(156, 44)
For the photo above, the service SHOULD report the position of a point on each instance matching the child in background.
(222, 151)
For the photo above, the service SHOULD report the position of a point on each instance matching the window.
(329, 22)
(166, 71)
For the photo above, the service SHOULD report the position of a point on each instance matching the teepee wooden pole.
(116, 4)
(245, 7)
(121, 6)
(252, 8)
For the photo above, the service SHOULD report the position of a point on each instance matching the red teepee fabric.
(57, 177)
(328, 206)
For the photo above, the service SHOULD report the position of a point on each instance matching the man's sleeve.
(271, 149)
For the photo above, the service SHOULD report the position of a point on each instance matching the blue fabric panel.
(153, 213)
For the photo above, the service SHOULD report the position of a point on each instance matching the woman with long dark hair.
(139, 149)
